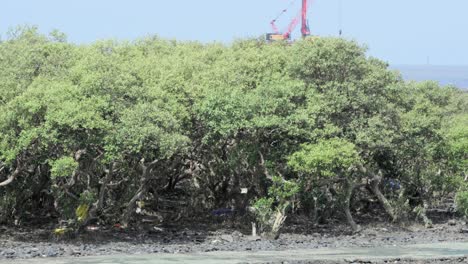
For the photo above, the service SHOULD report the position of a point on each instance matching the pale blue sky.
(398, 31)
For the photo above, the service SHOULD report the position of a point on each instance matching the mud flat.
(418, 253)
(446, 242)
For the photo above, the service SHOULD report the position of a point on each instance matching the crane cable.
(340, 17)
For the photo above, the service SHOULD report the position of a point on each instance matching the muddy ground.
(204, 236)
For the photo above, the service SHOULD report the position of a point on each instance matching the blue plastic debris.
(393, 184)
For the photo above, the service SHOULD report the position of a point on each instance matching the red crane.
(286, 35)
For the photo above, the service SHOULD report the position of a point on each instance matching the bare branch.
(11, 178)
(102, 190)
(264, 167)
(79, 154)
(99, 156)
(114, 184)
(153, 163)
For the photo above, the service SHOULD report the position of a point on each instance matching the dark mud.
(24, 243)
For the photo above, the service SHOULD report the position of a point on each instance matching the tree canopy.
(99, 129)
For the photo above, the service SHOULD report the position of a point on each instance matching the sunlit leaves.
(63, 167)
(327, 158)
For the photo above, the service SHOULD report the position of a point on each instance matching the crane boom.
(291, 27)
(302, 16)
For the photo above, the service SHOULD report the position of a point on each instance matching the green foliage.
(209, 119)
(282, 190)
(87, 197)
(281, 194)
(425, 156)
(462, 203)
(264, 212)
(457, 136)
(317, 60)
(63, 167)
(326, 158)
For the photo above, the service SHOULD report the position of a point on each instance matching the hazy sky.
(398, 31)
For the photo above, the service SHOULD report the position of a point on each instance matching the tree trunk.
(349, 188)
(102, 190)
(423, 215)
(274, 233)
(315, 212)
(96, 208)
(279, 221)
(374, 184)
(132, 204)
(142, 190)
(254, 229)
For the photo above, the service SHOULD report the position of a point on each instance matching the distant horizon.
(428, 65)
(456, 75)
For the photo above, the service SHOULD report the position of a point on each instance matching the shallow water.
(421, 251)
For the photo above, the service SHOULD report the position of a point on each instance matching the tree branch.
(11, 178)
(263, 166)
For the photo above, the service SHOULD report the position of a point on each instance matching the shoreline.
(28, 244)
